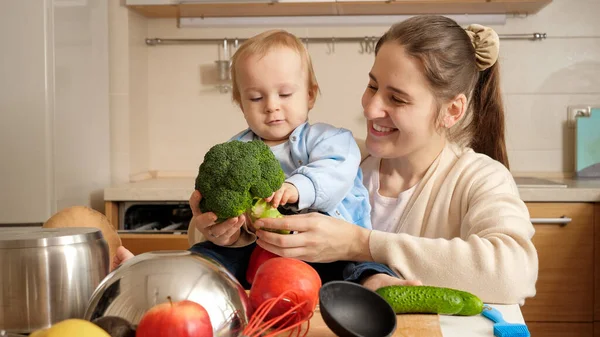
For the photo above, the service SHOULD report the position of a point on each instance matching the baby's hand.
(288, 193)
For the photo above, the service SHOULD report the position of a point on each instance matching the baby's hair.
(264, 42)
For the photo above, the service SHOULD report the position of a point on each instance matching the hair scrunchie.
(486, 43)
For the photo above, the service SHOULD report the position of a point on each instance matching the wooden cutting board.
(407, 326)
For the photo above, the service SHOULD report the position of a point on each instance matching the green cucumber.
(472, 305)
(430, 300)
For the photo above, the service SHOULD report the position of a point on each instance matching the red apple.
(257, 258)
(175, 319)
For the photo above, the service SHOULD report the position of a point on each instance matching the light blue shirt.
(323, 162)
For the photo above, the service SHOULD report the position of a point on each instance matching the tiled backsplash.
(166, 110)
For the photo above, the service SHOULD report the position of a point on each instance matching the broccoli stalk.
(236, 176)
(262, 209)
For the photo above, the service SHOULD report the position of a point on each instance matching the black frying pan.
(351, 310)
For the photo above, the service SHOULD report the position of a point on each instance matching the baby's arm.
(334, 159)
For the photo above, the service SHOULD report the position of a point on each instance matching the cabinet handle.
(562, 221)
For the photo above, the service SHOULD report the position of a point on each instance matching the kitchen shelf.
(308, 8)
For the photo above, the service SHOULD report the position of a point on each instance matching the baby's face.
(274, 93)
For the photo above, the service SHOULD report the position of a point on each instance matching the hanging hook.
(363, 46)
(225, 50)
(331, 46)
(369, 45)
(373, 43)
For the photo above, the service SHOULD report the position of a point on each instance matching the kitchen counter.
(179, 189)
(431, 326)
(534, 189)
(478, 326)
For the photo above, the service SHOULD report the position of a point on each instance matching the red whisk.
(291, 320)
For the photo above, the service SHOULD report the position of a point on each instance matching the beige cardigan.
(464, 227)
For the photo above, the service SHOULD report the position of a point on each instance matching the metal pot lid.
(28, 237)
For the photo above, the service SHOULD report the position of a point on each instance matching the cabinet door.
(565, 283)
(561, 329)
(411, 7)
(25, 113)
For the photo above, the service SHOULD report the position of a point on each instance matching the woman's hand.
(222, 234)
(319, 238)
(377, 281)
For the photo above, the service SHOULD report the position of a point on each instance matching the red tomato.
(281, 274)
(258, 257)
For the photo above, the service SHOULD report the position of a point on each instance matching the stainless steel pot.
(8, 334)
(150, 278)
(48, 275)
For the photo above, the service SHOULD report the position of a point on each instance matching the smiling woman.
(445, 208)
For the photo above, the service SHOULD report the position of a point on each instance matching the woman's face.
(399, 106)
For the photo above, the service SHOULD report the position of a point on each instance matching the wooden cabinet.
(357, 7)
(565, 286)
(141, 243)
(561, 329)
(564, 302)
(171, 9)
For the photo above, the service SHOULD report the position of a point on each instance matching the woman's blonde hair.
(260, 45)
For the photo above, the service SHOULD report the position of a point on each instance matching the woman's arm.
(493, 258)
(319, 238)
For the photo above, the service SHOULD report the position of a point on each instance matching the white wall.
(182, 113)
(542, 79)
(128, 93)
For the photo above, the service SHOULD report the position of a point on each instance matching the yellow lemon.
(39, 333)
(72, 328)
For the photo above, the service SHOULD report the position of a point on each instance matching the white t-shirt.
(283, 153)
(385, 211)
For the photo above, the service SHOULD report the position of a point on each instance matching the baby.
(274, 84)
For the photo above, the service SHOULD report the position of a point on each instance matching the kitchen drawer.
(596, 329)
(141, 243)
(543, 329)
(565, 285)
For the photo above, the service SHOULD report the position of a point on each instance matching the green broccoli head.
(233, 174)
